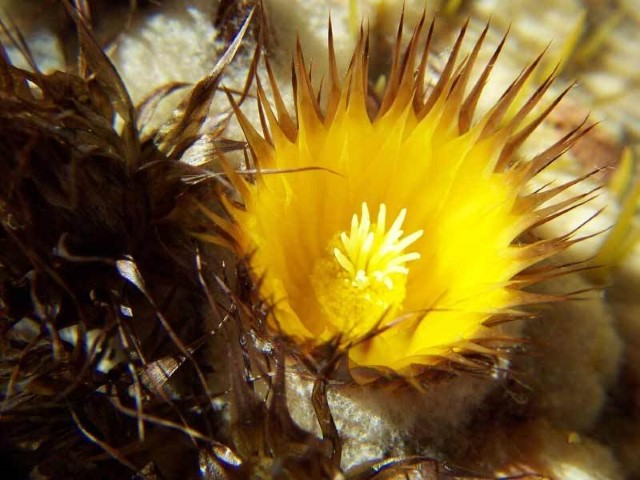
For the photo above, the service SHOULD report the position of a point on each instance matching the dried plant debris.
(102, 314)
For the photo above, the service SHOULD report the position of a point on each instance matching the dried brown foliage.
(99, 288)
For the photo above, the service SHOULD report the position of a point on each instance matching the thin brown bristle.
(468, 108)
(445, 77)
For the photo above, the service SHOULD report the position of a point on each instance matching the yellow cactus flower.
(408, 222)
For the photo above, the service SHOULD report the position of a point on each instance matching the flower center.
(361, 280)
